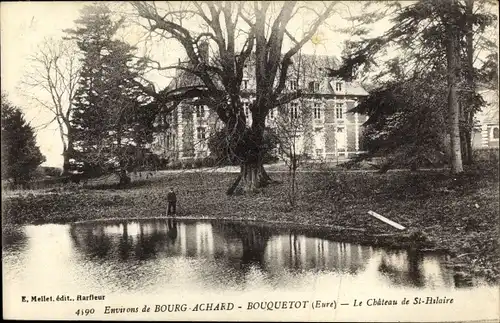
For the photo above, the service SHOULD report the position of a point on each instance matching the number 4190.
(85, 312)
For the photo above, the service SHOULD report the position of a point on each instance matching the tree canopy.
(20, 154)
(112, 119)
(235, 31)
(438, 37)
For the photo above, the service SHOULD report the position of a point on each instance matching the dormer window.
(314, 86)
(293, 85)
(338, 86)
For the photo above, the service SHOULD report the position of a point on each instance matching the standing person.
(171, 200)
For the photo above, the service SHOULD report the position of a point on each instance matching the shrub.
(187, 164)
(176, 164)
(487, 154)
(209, 161)
(51, 171)
(198, 163)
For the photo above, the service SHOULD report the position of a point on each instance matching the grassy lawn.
(459, 215)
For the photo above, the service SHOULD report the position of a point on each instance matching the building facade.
(487, 132)
(327, 129)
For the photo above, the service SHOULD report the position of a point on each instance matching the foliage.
(225, 148)
(418, 32)
(112, 118)
(293, 141)
(20, 154)
(431, 35)
(50, 171)
(488, 74)
(53, 77)
(405, 123)
(217, 79)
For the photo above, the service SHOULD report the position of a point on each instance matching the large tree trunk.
(466, 145)
(67, 153)
(66, 165)
(293, 186)
(250, 150)
(471, 83)
(453, 107)
(468, 142)
(252, 177)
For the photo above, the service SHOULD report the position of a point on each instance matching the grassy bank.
(456, 214)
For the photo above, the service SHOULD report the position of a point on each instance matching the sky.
(25, 25)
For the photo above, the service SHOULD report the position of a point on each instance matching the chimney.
(203, 51)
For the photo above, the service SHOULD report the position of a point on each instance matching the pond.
(169, 259)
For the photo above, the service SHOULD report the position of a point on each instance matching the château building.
(329, 130)
(487, 132)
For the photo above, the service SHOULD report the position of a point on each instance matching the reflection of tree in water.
(298, 250)
(253, 240)
(294, 250)
(92, 240)
(150, 243)
(407, 272)
(125, 244)
(238, 245)
(119, 240)
(273, 250)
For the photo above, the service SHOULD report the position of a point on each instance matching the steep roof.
(305, 67)
(350, 88)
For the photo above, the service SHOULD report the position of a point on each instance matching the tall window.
(200, 111)
(201, 132)
(494, 133)
(339, 111)
(293, 85)
(294, 111)
(170, 141)
(317, 110)
(245, 84)
(338, 86)
(246, 109)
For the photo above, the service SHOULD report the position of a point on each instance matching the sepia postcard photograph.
(333, 161)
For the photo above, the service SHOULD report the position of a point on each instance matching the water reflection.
(170, 260)
(403, 268)
(244, 247)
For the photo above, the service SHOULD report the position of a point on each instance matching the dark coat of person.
(171, 197)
